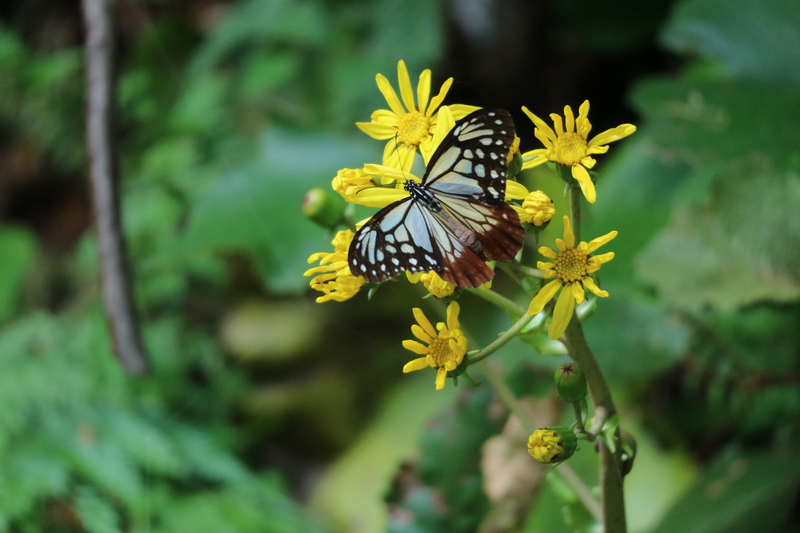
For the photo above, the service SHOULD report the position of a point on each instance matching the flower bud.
(570, 382)
(322, 208)
(538, 209)
(552, 444)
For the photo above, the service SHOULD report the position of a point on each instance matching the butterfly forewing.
(456, 218)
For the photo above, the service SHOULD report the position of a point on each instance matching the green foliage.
(223, 134)
(739, 493)
(18, 250)
(449, 467)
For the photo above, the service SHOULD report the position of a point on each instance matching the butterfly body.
(456, 218)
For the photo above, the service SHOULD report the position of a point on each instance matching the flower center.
(441, 353)
(571, 265)
(569, 149)
(413, 128)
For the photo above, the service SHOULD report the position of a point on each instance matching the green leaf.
(739, 493)
(257, 208)
(754, 39)
(722, 253)
(17, 250)
(705, 124)
(97, 514)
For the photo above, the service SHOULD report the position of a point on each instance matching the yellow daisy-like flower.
(537, 209)
(444, 348)
(571, 266)
(350, 181)
(407, 124)
(333, 276)
(568, 144)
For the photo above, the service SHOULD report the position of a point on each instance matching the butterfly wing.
(408, 236)
(468, 177)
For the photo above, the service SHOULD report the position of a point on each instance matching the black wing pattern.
(456, 218)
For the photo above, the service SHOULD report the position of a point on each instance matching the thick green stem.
(613, 502)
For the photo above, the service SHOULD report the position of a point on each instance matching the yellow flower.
(446, 344)
(552, 445)
(350, 181)
(333, 276)
(537, 209)
(571, 266)
(433, 282)
(568, 144)
(437, 286)
(408, 125)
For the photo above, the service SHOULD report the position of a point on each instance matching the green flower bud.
(552, 444)
(322, 208)
(570, 382)
(515, 165)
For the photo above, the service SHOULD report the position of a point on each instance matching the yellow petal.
(416, 347)
(562, 314)
(416, 364)
(570, 119)
(452, 316)
(592, 286)
(540, 158)
(614, 134)
(545, 295)
(569, 236)
(516, 191)
(378, 197)
(583, 124)
(581, 175)
(385, 116)
(461, 110)
(558, 123)
(577, 292)
(406, 91)
(420, 333)
(424, 90)
(391, 97)
(540, 125)
(424, 322)
(547, 252)
(594, 244)
(439, 98)
(377, 130)
(441, 376)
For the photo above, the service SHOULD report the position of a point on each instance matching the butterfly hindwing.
(456, 218)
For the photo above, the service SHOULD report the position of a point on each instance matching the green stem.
(578, 413)
(502, 340)
(511, 308)
(575, 211)
(613, 502)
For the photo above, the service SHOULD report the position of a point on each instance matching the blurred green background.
(269, 413)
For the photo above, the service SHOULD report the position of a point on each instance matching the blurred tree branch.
(103, 176)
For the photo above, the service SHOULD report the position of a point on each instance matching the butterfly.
(456, 218)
